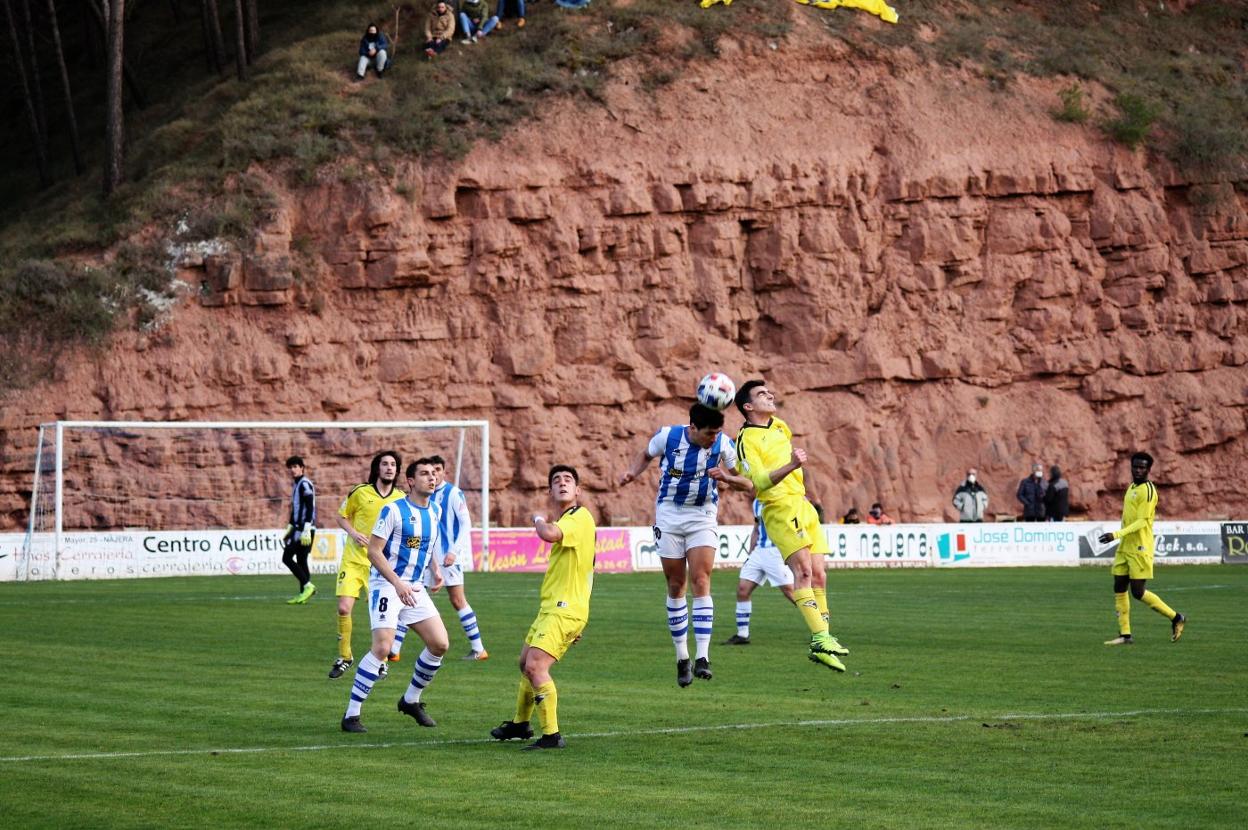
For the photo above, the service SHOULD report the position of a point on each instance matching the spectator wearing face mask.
(971, 499)
(1031, 493)
(1057, 497)
(877, 516)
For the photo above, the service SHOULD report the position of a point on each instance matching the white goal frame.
(59, 427)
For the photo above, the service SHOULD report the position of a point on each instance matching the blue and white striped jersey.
(456, 527)
(764, 541)
(411, 532)
(682, 466)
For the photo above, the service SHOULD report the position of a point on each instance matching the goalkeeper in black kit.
(297, 541)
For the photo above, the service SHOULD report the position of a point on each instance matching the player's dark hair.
(374, 469)
(1142, 456)
(424, 461)
(295, 461)
(703, 417)
(437, 459)
(743, 394)
(562, 468)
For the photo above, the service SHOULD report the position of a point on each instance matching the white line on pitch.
(672, 730)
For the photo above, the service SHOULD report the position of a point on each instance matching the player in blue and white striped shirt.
(456, 549)
(763, 563)
(693, 461)
(401, 546)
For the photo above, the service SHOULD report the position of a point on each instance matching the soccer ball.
(716, 391)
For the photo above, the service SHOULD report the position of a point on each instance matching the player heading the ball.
(693, 461)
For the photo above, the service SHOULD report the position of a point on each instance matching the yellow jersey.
(1139, 508)
(570, 575)
(762, 448)
(361, 508)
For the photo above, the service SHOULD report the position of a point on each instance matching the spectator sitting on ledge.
(877, 516)
(475, 20)
(518, 5)
(439, 29)
(375, 50)
(851, 517)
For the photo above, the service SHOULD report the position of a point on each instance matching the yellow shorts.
(352, 577)
(554, 634)
(1134, 564)
(793, 524)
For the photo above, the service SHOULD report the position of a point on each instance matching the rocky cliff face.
(929, 274)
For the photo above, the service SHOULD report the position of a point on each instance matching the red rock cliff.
(929, 274)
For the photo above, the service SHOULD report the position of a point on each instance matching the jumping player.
(774, 465)
(693, 461)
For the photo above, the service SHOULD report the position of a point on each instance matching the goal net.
(164, 498)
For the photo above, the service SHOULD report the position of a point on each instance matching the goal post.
(96, 478)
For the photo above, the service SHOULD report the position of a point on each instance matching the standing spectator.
(475, 20)
(1031, 492)
(519, 15)
(877, 516)
(1057, 497)
(851, 517)
(439, 29)
(971, 499)
(375, 50)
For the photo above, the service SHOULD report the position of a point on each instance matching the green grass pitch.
(975, 698)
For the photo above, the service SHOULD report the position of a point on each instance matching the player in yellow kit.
(357, 516)
(1133, 562)
(766, 455)
(563, 613)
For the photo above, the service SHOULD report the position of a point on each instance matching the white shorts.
(766, 563)
(679, 529)
(451, 575)
(385, 610)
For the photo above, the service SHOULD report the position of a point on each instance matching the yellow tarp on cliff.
(876, 7)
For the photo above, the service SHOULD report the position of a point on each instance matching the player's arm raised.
(547, 531)
(640, 462)
(406, 590)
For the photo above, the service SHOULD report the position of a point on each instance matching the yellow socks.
(547, 700)
(344, 636)
(1122, 604)
(821, 600)
(1154, 602)
(524, 701)
(804, 599)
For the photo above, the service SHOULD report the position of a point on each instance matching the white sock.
(397, 646)
(744, 609)
(422, 675)
(678, 625)
(703, 617)
(365, 677)
(468, 619)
